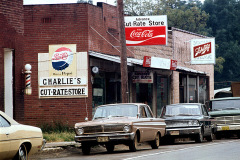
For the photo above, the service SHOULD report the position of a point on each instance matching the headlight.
(193, 123)
(80, 131)
(126, 128)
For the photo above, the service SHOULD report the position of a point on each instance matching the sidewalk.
(54, 146)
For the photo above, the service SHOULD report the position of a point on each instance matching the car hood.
(182, 118)
(224, 113)
(21, 130)
(111, 120)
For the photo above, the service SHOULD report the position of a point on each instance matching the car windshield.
(226, 104)
(182, 110)
(121, 110)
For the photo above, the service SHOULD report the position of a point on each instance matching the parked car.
(187, 120)
(17, 141)
(226, 112)
(126, 123)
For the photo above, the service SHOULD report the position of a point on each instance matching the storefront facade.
(74, 53)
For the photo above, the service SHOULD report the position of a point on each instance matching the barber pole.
(28, 89)
(28, 80)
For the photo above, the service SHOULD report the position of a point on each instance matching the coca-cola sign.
(203, 51)
(146, 30)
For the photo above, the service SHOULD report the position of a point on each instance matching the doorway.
(8, 82)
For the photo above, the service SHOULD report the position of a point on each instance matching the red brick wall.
(63, 24)
(11, 36)
(104, 30)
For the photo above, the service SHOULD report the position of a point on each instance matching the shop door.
(162, 93)
(113, 88)
(144, 93)
(8, 82)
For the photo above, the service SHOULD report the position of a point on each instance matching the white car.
(17, 141)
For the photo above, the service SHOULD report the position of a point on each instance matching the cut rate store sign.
(146, 30)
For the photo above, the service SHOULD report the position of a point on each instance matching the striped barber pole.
(28, 80)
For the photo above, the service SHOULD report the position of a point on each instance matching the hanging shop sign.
(142, 77)
(146, 30)
(203, 51)
(161, 63)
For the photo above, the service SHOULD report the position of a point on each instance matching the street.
(216, 150)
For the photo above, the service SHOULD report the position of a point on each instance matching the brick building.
(11, 58)
(67, 87)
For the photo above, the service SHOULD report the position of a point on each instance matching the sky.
(28, 2)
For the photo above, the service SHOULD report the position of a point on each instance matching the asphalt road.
(216, 150)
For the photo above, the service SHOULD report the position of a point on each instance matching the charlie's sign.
(146, 30)
(203, 51)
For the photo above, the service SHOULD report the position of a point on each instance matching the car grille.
(227, 120)
(103, 128)
(180, 123)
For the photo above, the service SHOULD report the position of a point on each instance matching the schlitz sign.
(203, 51)
(146, 30)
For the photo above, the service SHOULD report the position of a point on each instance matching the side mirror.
(138, 115)
(86, 119)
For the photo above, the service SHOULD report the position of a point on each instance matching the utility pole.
(124, 71)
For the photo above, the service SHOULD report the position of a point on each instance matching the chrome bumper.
(183, 131)
(228, 127)
(43, 144)
(111, 137)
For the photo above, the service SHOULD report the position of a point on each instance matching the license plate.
(102, 139)
(174, 133)
(225, 127)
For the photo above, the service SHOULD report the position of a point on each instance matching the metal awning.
(117, 59)
(180, 68)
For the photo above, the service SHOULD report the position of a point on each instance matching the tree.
(183, 15)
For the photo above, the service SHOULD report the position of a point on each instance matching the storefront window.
(203, 90)
(162, 93)
(192, 90)
(98, 88)
(183, 89)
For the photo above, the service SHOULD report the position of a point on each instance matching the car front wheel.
(86, 149)
(134, 144)
(199, 137)
(155, 144)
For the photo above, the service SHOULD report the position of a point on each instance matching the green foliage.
(186, 16)
(56, 127)
(219, 65)
(59, 137)
(225, 27)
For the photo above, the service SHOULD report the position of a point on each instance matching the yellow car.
(17, 141)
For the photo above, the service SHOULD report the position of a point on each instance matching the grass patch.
(59, 136)
(57, 132)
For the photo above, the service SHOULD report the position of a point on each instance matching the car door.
(5, 143)
(207, 121)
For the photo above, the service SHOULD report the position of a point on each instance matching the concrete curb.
(58, 146)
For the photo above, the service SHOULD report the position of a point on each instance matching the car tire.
(155, 144)
(86, 149)
(210, 138)
(22, 153)
(199, 137)
(133, 145)
(110, 147)
(218, 136)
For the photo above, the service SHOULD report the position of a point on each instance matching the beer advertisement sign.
(203, 51)
(146, 30)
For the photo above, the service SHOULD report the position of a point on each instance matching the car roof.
(184, 104)
(225, 98)
(12, 121)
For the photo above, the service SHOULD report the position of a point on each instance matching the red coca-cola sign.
(136, 36)
(147, 61)
(202, 49)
